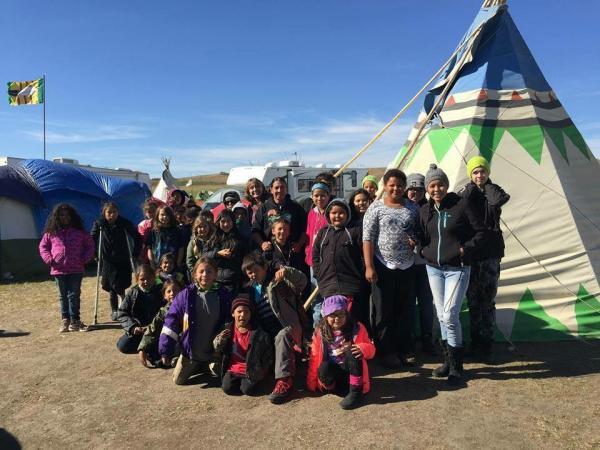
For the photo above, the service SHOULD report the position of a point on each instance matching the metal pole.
(130, 253)
(98, 278)
(44, 108)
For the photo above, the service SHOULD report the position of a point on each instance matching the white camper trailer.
(299, 177)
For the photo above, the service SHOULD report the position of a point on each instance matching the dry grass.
(76, 390)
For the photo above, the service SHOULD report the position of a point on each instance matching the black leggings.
(233, 383)
(331, 373)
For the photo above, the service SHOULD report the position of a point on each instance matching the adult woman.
(279, 204)
(452, 232)
(487, 198)
(256, 195)
(389, 237)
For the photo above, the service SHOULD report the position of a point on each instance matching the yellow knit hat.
(475, 162)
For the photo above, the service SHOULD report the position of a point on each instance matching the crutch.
(131, 261)
(98, 278)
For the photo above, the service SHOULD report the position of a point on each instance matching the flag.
(26, 92)
(189, 183)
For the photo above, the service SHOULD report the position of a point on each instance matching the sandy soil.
(76, 390)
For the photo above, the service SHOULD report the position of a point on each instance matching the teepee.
(166, 183)
(492, 99)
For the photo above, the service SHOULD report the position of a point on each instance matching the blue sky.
(219, 84)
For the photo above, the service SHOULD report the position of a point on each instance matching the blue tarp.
(16, 184)
(85, 190)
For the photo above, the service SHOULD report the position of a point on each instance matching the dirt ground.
(75, 390)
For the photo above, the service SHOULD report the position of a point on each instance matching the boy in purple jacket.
(195, 317)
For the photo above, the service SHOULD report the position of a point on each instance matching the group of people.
(224, 292)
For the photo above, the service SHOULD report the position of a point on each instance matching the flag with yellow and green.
(26, 92)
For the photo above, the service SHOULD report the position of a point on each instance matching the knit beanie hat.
(242, 301)
(475, 162)
(415, 181)
(369, 178)
(436, 174)
(334, 303)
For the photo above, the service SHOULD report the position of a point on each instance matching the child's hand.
(225, 253)
(296, 247)
(356, 351)
(412, 243)
(280, 274)
(266, 246)
(166, 361)
(139, 330)
(143, 358)
(371, 275)
(225, 334)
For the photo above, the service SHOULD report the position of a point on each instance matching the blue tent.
(85, 190)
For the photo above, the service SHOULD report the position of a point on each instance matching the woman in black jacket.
(487, 199)
(120, 242)
(452, 232)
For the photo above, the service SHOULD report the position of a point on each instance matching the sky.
(218, 84)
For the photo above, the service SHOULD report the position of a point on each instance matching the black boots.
(452, 366)
(353, 399)
(444, 369)
(456, 365)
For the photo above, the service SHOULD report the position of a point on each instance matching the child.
(176, 198)
(389, 238)
(119, 236)
(226, 252)
(193, 319)
(256, 195)
(281, 254)
(208, 215)
(66, 248)
(339, 352)
(315, 221)
(145, 226)
(337, 259)
(167, 271)
(202, 237)
(242, 223)
(165, 237)
(138, 308)
(148, 348)
(277, 296)
(359, 202)
(247, 350)
(369, 184)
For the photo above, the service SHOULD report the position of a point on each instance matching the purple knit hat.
(333, 304)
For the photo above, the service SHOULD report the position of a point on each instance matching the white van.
(299, 177)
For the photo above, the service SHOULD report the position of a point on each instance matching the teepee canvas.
(166, 183)
(493, 100)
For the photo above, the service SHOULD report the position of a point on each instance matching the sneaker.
(64, 328)
(78, 325)
(282, 391)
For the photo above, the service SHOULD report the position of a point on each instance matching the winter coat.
(445, 229)
(337, 257)
(181, 317)
(165, 240)
(138, 308)
(297, 217)
(314, 222)
(286, 301)
(259, 358)
(230, 269)
(488, 202)
(149, 342)
(282, 255)
(67, 251)
(360, 337)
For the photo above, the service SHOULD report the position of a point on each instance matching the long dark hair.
(157, 226)
(53, 225)
(327, 332)
(353, 211)
(230, 239)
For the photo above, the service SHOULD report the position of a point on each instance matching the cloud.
(99, 133)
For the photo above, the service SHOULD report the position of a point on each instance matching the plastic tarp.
(16, 184)
(85, 190)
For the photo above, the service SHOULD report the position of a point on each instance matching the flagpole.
(44, 78)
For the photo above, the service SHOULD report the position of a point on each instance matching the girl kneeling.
(338, 354)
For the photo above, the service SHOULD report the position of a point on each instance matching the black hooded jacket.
(337, 257)
(295, 213)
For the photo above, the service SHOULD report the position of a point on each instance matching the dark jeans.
(361, 306)
(331, 373)
(69, 290)
(424, 300)
(114, 299)
(481, 296)
(393, 295)
(128, 343)
(234, 383)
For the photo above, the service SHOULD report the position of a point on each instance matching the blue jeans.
(69, 292)
(449, 286)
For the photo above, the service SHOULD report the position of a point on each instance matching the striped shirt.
(266, 317)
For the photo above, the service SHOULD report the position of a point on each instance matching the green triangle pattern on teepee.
(557, 137)
(486, 138)
(577, 139)
(587, 314)
(399, 156)
(442, 139)
(532, 323)
(531, 138)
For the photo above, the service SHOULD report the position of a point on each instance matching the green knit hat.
(369, 178)
(475, 162)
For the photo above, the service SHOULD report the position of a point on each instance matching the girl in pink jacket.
(66, 248)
